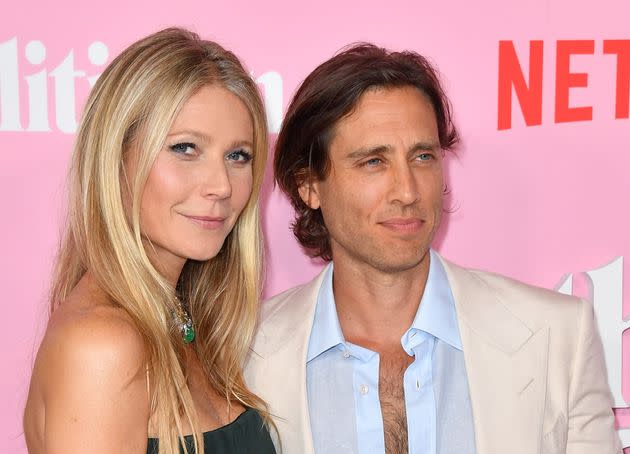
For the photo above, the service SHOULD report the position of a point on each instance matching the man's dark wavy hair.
(330, 93)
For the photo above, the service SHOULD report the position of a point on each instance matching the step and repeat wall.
(539, 187)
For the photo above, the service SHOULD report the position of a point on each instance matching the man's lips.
(207, 222)
(403, 224)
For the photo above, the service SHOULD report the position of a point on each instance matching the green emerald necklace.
(184, 322)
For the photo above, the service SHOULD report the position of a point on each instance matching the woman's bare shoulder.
(90, 374)
(89, 328)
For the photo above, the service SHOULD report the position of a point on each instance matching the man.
(392, 349)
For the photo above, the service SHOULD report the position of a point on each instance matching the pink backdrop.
(540, 186)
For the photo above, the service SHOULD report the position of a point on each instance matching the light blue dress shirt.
(342, 379)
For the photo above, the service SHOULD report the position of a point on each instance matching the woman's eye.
(184, 148)
(239, 156)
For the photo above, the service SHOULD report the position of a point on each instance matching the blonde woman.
(155, 295)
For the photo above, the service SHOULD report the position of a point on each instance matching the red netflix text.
(528, 88)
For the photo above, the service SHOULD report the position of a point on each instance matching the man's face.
(382, 199)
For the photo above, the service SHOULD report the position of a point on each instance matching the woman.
(155, 295)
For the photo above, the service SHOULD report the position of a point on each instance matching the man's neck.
(375, 307)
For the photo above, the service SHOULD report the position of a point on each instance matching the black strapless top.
(247, 434)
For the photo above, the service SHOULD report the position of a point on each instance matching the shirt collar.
(326, 332)
(436, 314)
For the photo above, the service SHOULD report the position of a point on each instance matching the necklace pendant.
(188, 333)
(185, 323)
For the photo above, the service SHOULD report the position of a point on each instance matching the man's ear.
(308, 190)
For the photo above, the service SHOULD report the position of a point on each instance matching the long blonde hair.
(134, 102)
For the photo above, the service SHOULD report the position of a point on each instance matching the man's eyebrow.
(424, 146)
(364, 152)
(368, 151)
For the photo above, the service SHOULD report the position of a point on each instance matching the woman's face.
(200, 182)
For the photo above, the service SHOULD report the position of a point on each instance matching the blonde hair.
(134, 102)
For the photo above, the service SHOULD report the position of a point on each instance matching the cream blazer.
(533, 357)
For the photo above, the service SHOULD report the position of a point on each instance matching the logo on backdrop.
(606, 288)
(529, 89)
(28, 63)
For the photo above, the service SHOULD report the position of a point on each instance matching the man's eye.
(239, 156)
(372, 162)
(183, 148)
(425, 156)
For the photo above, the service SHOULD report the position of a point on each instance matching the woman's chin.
(204, 255)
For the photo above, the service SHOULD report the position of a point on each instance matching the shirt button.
(346, 354)
(417, 384)
(413, 335)
(363, 389)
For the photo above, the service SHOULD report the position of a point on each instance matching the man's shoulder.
(287, 315)
(296, 302)
(525, 300)
(275, 303)
(506, 285)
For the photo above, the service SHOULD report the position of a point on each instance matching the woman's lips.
(207, 222)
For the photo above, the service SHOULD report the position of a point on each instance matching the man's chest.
(391, 389)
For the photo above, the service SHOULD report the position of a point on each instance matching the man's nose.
(404, 186)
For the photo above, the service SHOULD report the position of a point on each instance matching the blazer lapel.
(279, 353)
(506, 364)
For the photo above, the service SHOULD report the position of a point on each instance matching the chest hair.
(392, 396)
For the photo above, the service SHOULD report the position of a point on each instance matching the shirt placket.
(419, 396)
(368, 410)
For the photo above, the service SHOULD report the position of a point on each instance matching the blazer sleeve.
(591, 427)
